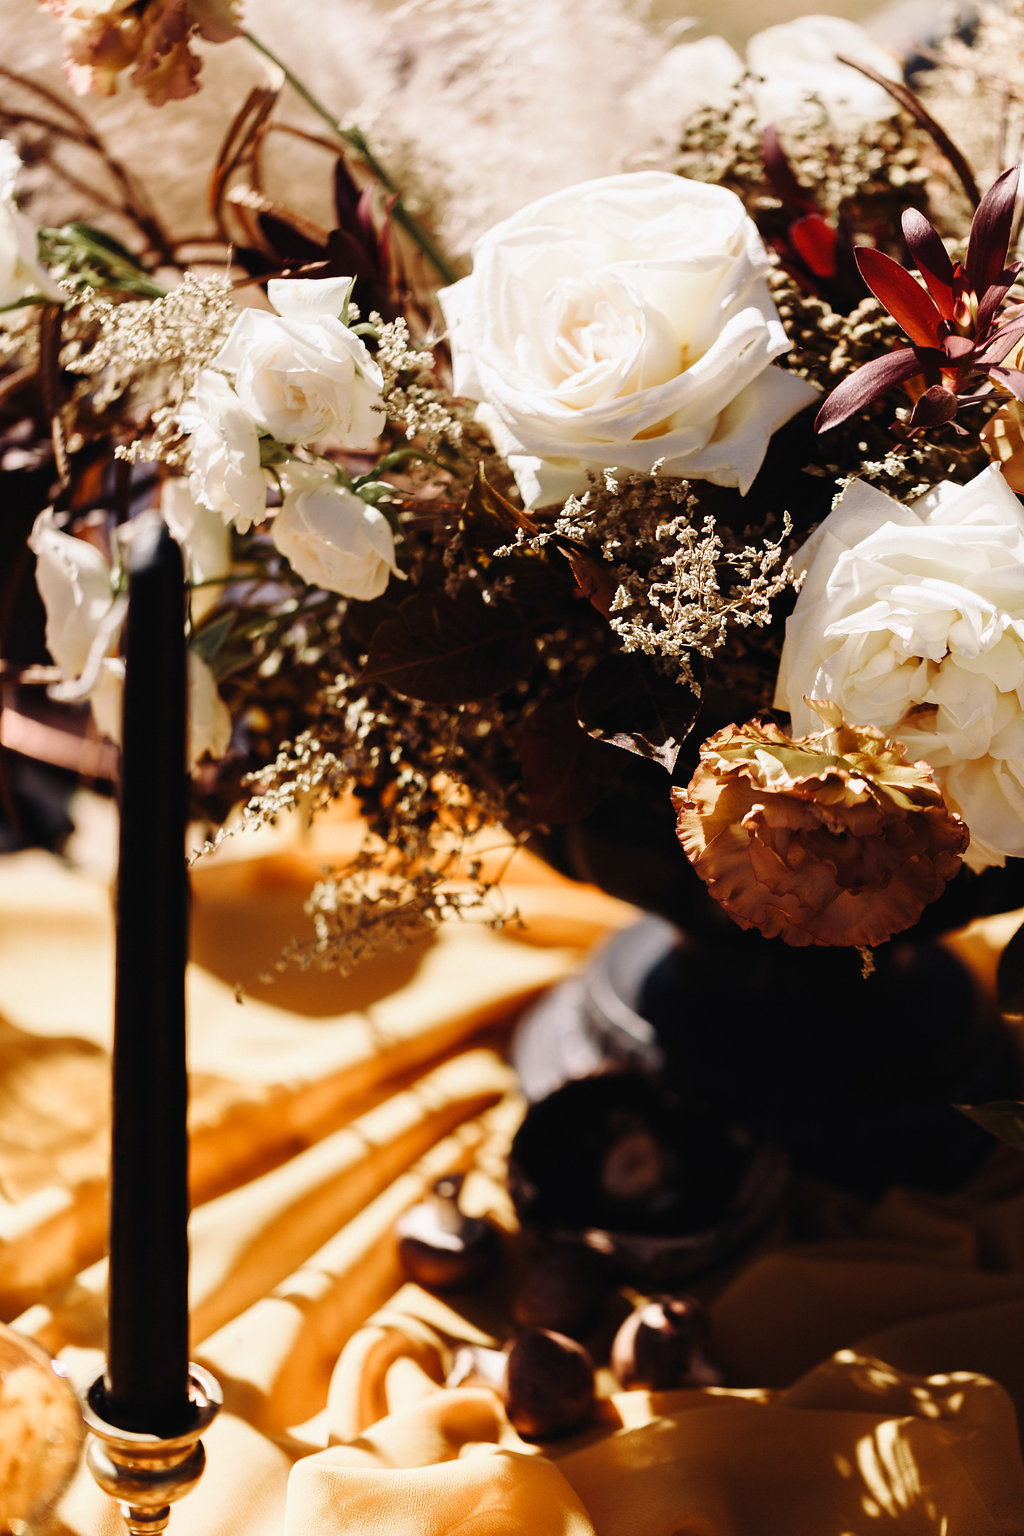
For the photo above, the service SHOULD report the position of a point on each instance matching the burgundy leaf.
(869, 381)
(934, 408)
(901, 294)
(1011, 379)
(931, 259)
(795, 199)
(993, 296)
(990, 232)
(1001, 342)
(958, 347)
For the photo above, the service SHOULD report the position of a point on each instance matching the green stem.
(355, 141)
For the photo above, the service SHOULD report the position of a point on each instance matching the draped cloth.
(872, 1353)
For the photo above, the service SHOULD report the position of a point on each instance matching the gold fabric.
(874, 1368)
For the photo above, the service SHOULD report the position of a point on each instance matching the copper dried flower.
(827, 839)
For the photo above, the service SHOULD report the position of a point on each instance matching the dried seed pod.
(549, 1384)
(439, 1245)
(660, 1346)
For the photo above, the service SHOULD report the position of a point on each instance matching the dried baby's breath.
(410, 396)
(147, 353)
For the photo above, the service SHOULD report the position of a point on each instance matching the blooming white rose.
(224, 452)
(84, 614)
(797, 63)
(302, 373)
(625, 322)
(911, 619)
(331, 537)
(20, 271)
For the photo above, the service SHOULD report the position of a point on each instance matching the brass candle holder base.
(147, 1473)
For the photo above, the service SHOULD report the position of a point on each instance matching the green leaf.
(450, 650)
(1002, 1118)
(208, 641)
(627, 702)
(1010, 977)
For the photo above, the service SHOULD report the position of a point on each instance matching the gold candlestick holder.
(147, 1473)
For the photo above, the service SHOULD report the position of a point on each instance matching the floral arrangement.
(676, 527)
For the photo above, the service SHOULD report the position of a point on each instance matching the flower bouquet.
(674, 528)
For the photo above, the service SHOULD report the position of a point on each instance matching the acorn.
(549, 1384)
(661, 1346)
(439, 1245)
(544, 1379)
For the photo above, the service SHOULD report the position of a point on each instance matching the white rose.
(84, 615)
(911, 619)
(20, 271)
(332, 538)
(797, 62)
(302, 373)
(224, 452)
(626, 323)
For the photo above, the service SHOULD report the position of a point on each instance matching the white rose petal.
(75, 583)
(205, 540)
(332, 538)
(224, 452)
(911, 619)
(623, 323)
(21, 274)
(302, 373)
(209, 722)
(797, 62)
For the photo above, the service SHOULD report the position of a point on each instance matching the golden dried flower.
(831, 838)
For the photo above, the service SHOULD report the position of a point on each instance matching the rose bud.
(439, 1246)
(549, 1384)
(660, 1346)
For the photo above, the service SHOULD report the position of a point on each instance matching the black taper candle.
(146, 1381)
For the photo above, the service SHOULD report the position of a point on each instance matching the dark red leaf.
(958, 347)
(795, 199)
(563, 768)
(931, 259)
(869, 381)
(450, 650)
(1001, 342)
(1011, 379)
(993, 296)
(901, 294)
(934, 408)
(990, 232)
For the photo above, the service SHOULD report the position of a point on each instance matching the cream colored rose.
(911, 619)
(331, 537)
(223, 452)
(20, 271)
(302, 373)
(623, 323)
(84, 615)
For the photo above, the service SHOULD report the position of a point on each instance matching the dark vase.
(853, 1077)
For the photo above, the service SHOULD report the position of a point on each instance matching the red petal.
(814, 241)
(901, 294)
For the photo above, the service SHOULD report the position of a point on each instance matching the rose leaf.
(627, 702)
(449, 650)
(1002, 1118)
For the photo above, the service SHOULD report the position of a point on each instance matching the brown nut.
(439, 1246)
(549, 1384)
(660, 1346)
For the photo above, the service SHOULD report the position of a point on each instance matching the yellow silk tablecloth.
(873, 1369)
